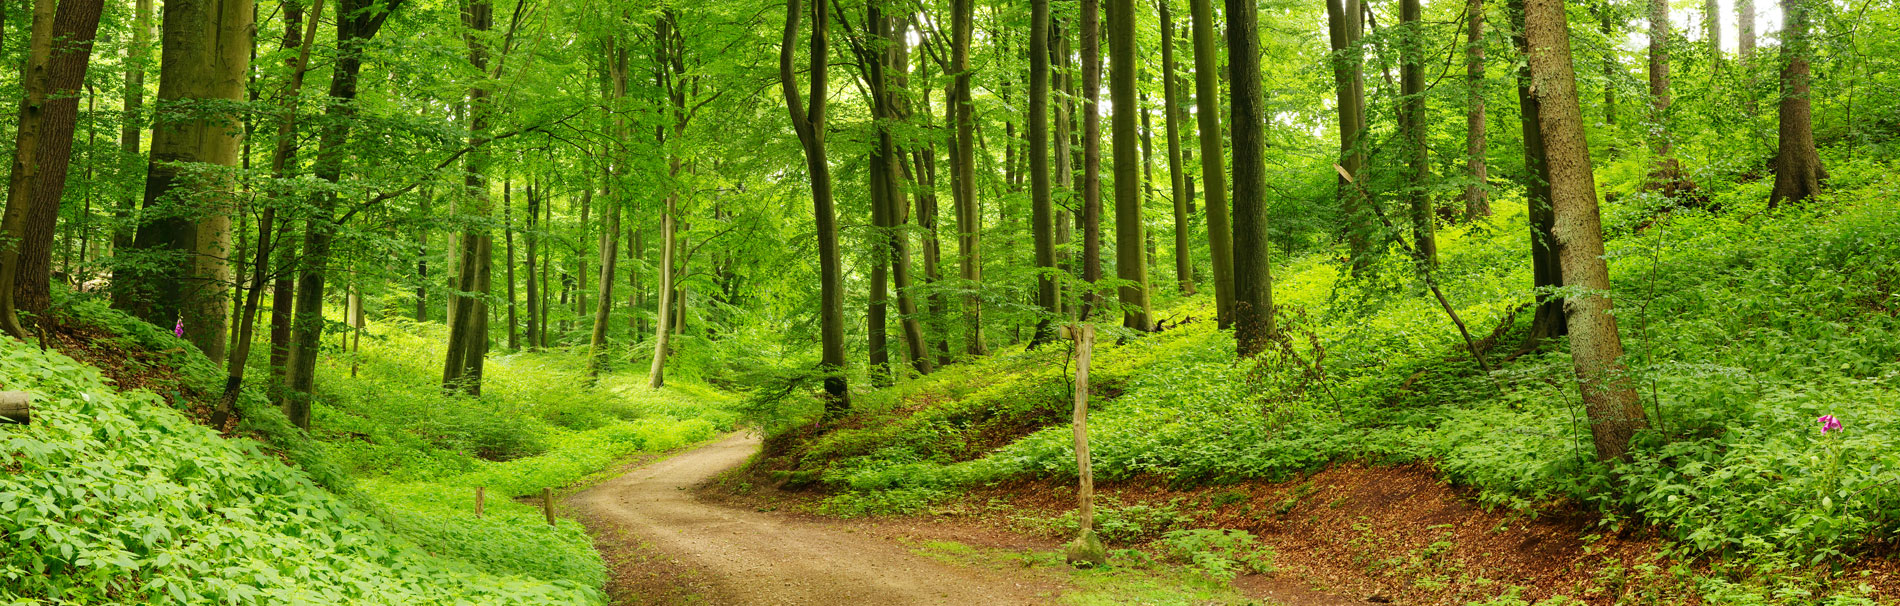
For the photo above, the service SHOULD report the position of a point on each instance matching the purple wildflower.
(179, 330)
(1828, 424)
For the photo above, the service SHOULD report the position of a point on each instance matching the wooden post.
(479, 495)
(16, 407)
(1085, 491)
(1087, 550)
(547, 504)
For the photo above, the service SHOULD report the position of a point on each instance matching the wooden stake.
(547, 504)
(1085, 491)
(479, 495)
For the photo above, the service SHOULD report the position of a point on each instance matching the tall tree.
(269, 232)
(1042, 210)
(1477, 200)
(1667, 174)
(1090, 35)
(358, 21)
(963, 181)
(1412, 127)
(810, 126)
(616, 63)
(1798, 170)
(672, 75)
(1207, 112)
(137, 55)
(1177, 185)
(42, 153)
(1595, 348)
(1343, 29)
(1745, 51)
(1253, 277)
(205, 54)
(1546, 270)
(463, 365)
(1130, 262)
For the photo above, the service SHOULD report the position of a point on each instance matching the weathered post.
(480, 493)
(1087, 549)
(547, 504)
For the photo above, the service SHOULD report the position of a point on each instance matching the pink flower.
(1828, 423)
(179, 330)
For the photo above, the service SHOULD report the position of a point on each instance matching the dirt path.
(743, 557)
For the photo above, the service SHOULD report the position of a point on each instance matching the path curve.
(754, 558)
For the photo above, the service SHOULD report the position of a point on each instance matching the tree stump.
(16, 407)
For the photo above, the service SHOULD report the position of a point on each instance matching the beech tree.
(810, 126)
(1798, 170)
(1596, 349)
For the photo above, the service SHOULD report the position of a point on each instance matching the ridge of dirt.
(669, 547)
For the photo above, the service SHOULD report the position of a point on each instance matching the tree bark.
(1253, 278)
(1745, 51)
(1042, 209)
(1412, 128)
(42, 157)
(268, 231)
(969, 218)
(1343, 29)
(468, 332)
(1667, 173)
(1609, 400)
(1798, 170)
(1177, 185)
(1477, 196)
(1090, 37)
(1213, 175)
(136, 57)
(810, 126)
(356, 25)
(508, 236)
(1546, 271)
(1131, 262)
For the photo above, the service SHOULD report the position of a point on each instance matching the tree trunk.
(1668, 171)
(508, 235)
(897, 58)
(356, 25)
(1798, 170)
(42, 156)
(531, 239)
(1131, 262)
(925, 158)
(1546, 271)
(129, 130)
(1220, 232)
(1090, 37)
(1745, 50)
(468, 332)
(1177, 186)
(1343, 29)
(1611, 404)
(1062, 137)
(969, 218)
(810, 126)
(268, 231)
(1042, 209)
(1253, 278)
(1412, 128)
(1477, 198)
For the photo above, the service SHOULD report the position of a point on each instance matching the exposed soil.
(679, 549)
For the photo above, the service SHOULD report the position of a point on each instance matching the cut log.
(16, 407)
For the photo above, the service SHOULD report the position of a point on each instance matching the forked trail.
(747, 557)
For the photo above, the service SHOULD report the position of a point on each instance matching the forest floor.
(666, 545)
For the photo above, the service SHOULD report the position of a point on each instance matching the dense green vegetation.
(347, 263)
(1749, 326)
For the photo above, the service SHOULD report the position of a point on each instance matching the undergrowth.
(1742, 326)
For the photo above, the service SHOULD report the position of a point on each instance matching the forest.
(1277, 302)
